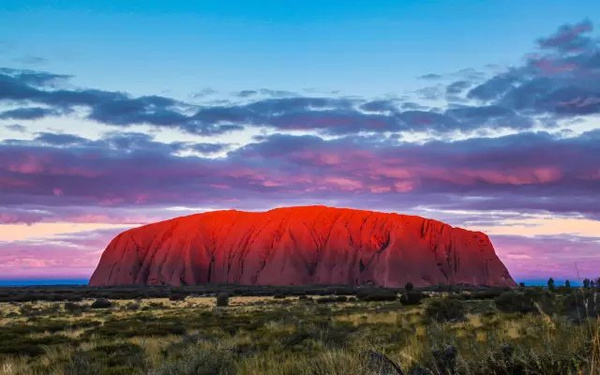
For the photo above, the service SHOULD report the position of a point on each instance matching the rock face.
(300, 245)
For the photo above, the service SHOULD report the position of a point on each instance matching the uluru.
(300, 246)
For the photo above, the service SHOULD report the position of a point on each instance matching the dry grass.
(262, 335)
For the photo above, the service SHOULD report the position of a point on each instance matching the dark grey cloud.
(34, 78)
(562, 79)
(494, 87)
(247, 93)
(31, 60)
(266, 92)
(327, 115)
(204, 92)
(497, 117)
(431, 76)
(57, 139)
(458, 87)
(28, 113)
(16, 128)
(383, 105)
(154, 110)
(209, 148)
(430, 93)
(569, 38)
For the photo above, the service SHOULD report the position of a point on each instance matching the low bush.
(325, 299)
(14, 343)
(126, 328)
(412, 298)
(484, 294)
(445, 310)
(72, 307)
(101, 303)
(332, 299)
(223, 300)
(121, 358)
(581, 305)
(197, 360)
(516, 302)
(373, 295)
(177, 296)
(31, 311)
(132, 306)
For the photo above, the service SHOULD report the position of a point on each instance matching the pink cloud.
(65, 256)
(561, 257)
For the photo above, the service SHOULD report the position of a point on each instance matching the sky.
(482, 114)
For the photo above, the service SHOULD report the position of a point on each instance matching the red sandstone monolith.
(300, 246)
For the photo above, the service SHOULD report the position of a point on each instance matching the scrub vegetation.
(299, 330)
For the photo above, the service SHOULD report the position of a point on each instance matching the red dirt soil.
(300, 246)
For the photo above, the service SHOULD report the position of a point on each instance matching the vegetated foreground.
(300, 246)
(301, 330)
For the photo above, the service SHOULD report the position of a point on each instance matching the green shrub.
(412, 298)
(223, 299)
(200, 361)
(21, 344)
(514, 302)
(445, 310)
(581, 305)
(101, 303)
(177, 296)
(132, 306)
(325, 299)
(154, 306)
(138, 326)
(483, 294)
(72, 307)
(122, 358)
(528, 301)
(373, 295)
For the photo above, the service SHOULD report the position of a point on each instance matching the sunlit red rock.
(299, 246)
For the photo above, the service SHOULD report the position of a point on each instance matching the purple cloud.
(558, 257)
(527, 171)
(74, 255)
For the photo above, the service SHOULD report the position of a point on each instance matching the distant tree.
(522, 284)
(586, 283)
(567, 284)
(409, 286)
(551, 284)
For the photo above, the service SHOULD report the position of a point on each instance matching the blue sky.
(358, 47)
(482, 114)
